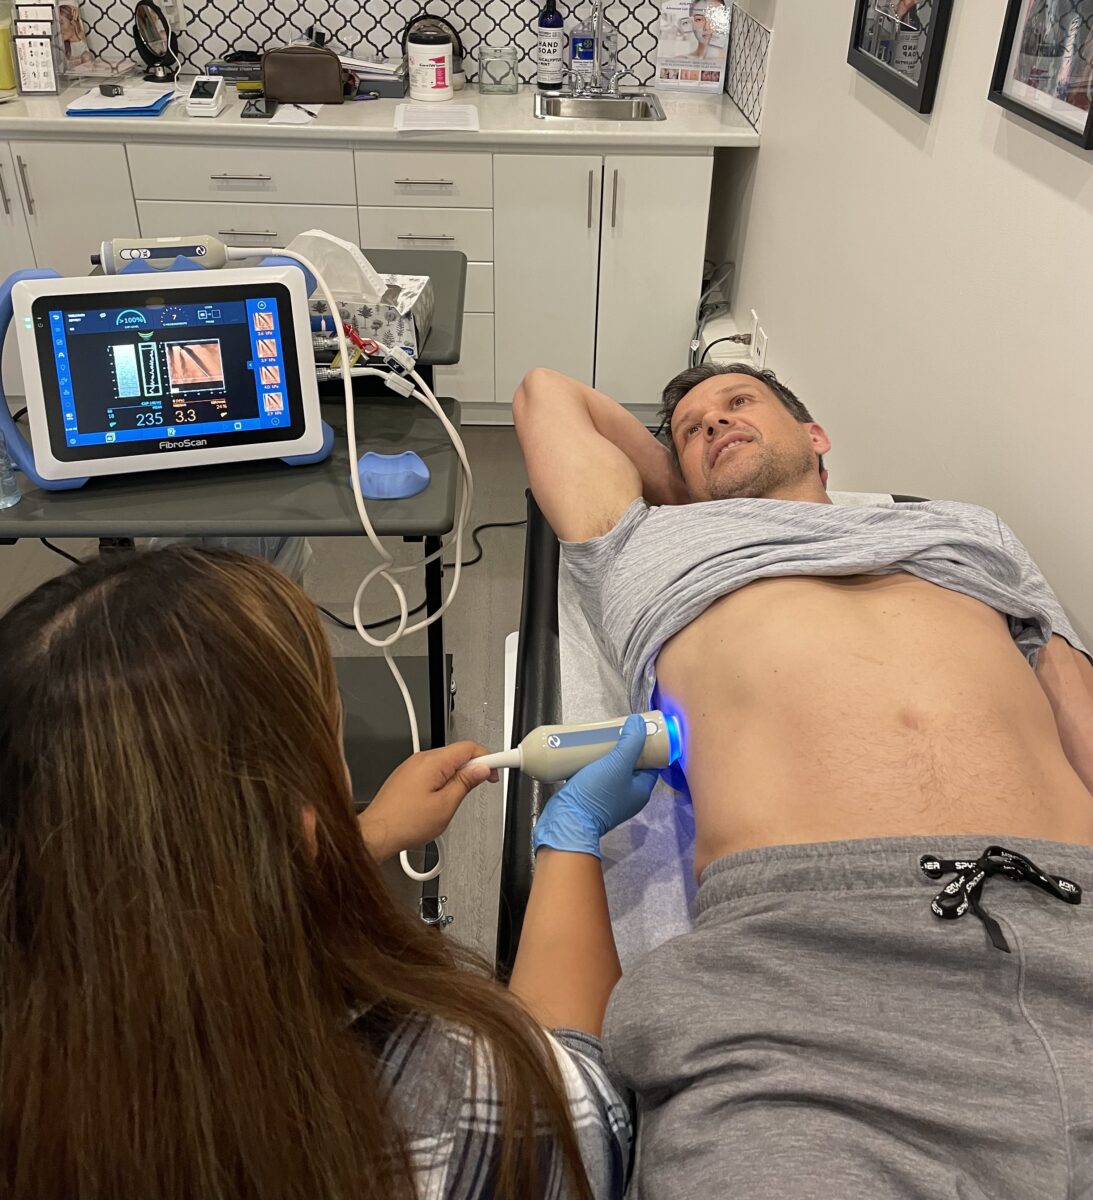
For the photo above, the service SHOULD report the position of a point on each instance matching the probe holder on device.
(19, 448)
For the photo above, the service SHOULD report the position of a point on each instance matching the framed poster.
(693, 45)
(1044, 68)
(899, 45)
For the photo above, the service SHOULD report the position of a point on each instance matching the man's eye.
(691, 429)
(737, 401)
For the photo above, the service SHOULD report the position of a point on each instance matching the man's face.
(734, 437)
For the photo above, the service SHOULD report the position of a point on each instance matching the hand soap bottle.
(551, 40)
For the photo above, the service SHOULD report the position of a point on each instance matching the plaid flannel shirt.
(452, 1115)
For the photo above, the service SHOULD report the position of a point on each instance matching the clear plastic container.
(10, 491)
(582, 47)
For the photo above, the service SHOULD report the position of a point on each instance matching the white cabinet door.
(16, 254)
(471, 379)
(76, 195)
(655, 211)
(546, 233)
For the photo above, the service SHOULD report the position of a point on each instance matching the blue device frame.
(19, 448)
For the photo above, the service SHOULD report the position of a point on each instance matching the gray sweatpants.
(821, 1034)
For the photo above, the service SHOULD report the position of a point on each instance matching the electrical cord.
(701, 316)
(405, 381)
(470, 562)
(19, 415)
(739, 339)
(63, 553)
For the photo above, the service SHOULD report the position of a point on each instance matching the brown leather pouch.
(302, 75)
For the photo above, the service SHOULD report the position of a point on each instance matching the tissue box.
(402, 317)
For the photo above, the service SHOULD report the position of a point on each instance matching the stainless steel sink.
(632, 106)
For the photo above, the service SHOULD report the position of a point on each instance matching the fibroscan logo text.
(184, 444)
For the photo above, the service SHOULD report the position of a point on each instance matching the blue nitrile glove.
(599, 797)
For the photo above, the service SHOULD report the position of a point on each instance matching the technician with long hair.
(206, 989)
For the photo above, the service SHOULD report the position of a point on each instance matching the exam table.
(561, 675)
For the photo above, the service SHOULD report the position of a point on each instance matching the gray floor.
(486, 609)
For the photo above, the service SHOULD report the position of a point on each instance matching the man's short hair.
(686, 380)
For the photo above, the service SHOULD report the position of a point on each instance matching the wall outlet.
(754, 330)
(759, 348)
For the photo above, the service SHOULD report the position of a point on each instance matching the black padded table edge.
(537, 701)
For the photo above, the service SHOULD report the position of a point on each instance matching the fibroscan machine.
(153, 369)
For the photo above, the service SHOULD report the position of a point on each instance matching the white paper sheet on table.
(414, 118)
(295, 114)
(648, 861)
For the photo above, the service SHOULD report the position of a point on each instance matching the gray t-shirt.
(659, 568)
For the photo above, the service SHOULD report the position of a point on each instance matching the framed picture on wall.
(1044, 68)
(899, 44)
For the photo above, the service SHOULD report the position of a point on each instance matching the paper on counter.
(295, 114)
(141, 95)
(414, 118)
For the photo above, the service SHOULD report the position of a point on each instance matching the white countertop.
(694, 124)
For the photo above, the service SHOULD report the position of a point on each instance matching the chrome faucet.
(596, 81)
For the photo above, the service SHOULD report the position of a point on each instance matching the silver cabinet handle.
(614, 197)
(262, 233)
(427, 182)
(248, 178)
(589, 199)
(26, 185)
(425, 237)
(4, 193)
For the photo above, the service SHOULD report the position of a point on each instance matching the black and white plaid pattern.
(444, 1094)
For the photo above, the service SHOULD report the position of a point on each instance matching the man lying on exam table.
(205, 987)
(877, 704)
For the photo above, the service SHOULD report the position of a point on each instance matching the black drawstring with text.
(963, 893)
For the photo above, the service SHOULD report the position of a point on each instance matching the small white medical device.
(145, 371)
(207, 97)
(555, 752)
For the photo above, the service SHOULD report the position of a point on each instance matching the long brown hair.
(177, 959)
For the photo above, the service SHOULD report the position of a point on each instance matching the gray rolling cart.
(270, 499)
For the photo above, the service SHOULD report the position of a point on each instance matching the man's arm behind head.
(588, 459)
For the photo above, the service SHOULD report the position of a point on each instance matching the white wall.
(926, 283)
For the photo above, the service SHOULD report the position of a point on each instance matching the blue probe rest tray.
(392, 476)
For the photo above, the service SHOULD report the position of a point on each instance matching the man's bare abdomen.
(865, 706)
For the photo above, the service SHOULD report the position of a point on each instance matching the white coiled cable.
(386, 569)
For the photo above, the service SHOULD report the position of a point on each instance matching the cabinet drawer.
(417, 177)
(466, 229)
(245, 224)
(471, 379)
(275, 173)
(479, 297)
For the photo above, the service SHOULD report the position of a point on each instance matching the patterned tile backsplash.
(748, 53)
(215, 27)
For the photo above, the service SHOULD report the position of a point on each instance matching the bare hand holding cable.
(420, 797)
(599, 797)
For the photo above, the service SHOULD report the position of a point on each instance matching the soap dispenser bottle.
(551, 41)
(582, 45)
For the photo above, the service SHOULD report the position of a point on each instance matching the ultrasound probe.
(555, 752)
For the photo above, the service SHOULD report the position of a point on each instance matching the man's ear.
(817, 435)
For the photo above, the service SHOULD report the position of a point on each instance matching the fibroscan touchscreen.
(138, 373)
